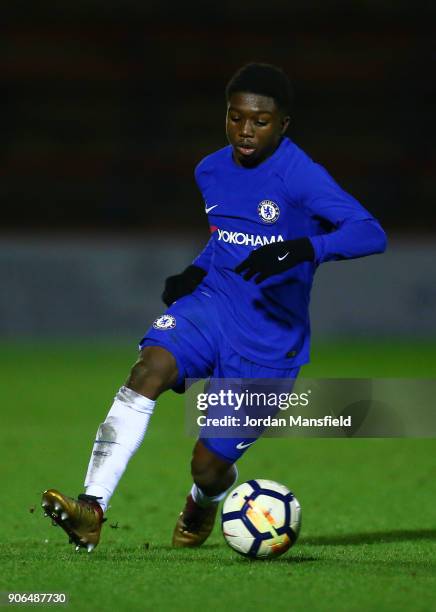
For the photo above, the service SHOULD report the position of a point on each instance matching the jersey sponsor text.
(247, 239)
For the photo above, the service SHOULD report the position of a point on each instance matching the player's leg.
(177, 346)
(123, 430)
(117, 439)
(154, 371)
(211, 474)
(213, 477)
(213, 464)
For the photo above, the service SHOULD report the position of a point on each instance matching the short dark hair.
(265, 80)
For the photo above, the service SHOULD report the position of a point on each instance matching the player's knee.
(155, 371)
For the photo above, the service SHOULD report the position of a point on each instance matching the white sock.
(204, 500)
(117, 439)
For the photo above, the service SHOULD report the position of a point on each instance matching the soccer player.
(240, 310)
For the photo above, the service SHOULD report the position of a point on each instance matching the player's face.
(254, 127)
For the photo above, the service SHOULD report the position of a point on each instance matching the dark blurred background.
(106, 108)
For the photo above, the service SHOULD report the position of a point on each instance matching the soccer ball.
(261, 519)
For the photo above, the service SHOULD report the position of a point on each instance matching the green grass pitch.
(369, 518)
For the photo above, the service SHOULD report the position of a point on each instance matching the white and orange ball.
(261, 519)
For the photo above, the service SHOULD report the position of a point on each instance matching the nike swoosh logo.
(283, 257)
(243, 445)
(211, 208)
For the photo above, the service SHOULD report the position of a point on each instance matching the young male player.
(241, 309)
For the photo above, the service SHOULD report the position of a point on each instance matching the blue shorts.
(190, 331)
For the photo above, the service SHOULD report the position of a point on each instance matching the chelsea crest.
(166, 321)
(268, 211)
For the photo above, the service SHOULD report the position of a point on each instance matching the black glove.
(182, 284)
(275, 258)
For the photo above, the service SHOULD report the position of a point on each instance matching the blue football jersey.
(285, 197)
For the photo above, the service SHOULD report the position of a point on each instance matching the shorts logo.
(268, 211)
(243, 445)
(166, 321)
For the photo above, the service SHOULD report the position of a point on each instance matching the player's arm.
(354, 232)
(275, 258)
(184, 283)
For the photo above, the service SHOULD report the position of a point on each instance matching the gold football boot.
(194, 524)
(80, 518)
